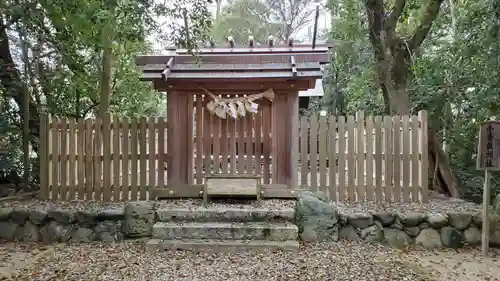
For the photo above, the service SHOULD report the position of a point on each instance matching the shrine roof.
(234, 63)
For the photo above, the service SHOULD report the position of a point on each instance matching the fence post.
(424, 162)
(44, 156)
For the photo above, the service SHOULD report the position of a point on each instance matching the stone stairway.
(231, 228)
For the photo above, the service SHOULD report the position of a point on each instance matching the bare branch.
(431, 12)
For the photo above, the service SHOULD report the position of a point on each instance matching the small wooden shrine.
(234, 105)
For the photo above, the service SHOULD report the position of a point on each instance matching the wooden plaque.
(488, 149)
(232, 187)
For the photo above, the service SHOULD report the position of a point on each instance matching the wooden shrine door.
(231, 146)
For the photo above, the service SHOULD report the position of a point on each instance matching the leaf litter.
(314, 261)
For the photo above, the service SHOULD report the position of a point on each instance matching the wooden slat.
(258, 143)
(106, 150)
(89, 164)
(97, 161)
(304, 155)
(207, 141)
(405, 165)
(216, 128)
(80, 151)
(360, 159)
(142, 159)
(63, 191)
(351, 160)
(342, 157)
(240, 127)
(224, 145)
(152, 150)
(396, 164)
(125, 148)
(249, 143)
(199, 140)
(133, 161)
(323, 152)
(414, 159)
(231, 128)
(55, 162)
(190, 142)
(116, 159)
(72, 160)
(378, 159)
(369, 159)
(44, 159)
(266, 141)
(424, 162)
(388, 150)
(313, 153)
(332, 159)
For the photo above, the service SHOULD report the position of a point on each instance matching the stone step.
(272, 231)
(221, 245)
(225, 214)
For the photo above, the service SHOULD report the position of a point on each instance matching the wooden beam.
(268, 191)
(234, 85)
(235, 58)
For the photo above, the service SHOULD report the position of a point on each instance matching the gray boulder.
(413, 231)
(55, 232)
(348, 233)
(437, 220)
(316, 219)
(82, 235)
(38, 217)
(472, 235)
(396, 238)
(5, 213)
(62, 216)
(31, 233)
(411, 218)
(19, 216)
(7, 230)
(360, 220)
(372, 234)
(386, 218)
(139, 219)
(429, 238)
(452, 238)
(460, 220)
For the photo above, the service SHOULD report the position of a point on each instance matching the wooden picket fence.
(101, 159)
(381, 159)
(348, 158)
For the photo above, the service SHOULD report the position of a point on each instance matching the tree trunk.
(393, 58)
(10, 80)
(107, 56)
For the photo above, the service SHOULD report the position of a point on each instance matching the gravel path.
(327, 261)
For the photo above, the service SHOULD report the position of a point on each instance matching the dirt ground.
(35, 261)
(455, 265)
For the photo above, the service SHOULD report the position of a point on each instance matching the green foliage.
(454, 73)
(60, 67)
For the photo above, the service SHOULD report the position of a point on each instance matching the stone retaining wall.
(321, 221)
(77, 226)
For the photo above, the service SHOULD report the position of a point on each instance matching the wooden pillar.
(180, 137)
(293, 105)
(284, 138)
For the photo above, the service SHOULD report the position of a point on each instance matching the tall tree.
(261, 18)
(394, 54)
